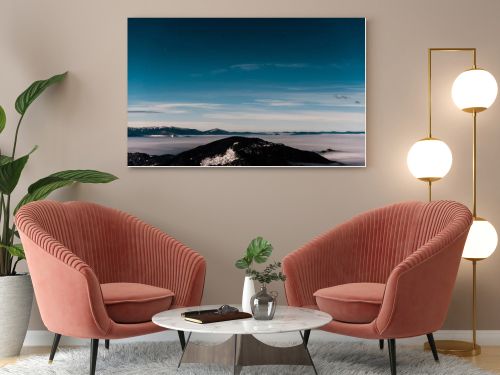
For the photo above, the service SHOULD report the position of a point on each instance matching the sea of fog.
(348, 148)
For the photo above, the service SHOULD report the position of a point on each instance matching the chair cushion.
(351, 303)
(135, 303)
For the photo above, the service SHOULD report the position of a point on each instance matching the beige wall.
(82, 124)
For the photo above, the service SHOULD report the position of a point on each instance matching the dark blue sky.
(247, 74)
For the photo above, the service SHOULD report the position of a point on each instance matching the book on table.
(213, 316)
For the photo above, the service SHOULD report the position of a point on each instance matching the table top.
(286, 319)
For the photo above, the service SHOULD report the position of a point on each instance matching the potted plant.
(16, 291)
(259, 250)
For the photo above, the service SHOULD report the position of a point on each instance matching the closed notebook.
(212, 317)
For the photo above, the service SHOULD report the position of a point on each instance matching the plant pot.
(16, 298)
(248, 292)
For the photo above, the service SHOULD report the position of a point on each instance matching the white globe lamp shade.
(474, 90)
(481, 241)
(429, 159)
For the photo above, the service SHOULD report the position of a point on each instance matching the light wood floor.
(488, 360)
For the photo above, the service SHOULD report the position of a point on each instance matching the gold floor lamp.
(430, 159)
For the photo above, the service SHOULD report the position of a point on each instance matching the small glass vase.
(263, 304)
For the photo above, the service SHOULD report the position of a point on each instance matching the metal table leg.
(246, 350)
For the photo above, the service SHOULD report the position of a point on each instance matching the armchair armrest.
(419, 289)
(68, 292)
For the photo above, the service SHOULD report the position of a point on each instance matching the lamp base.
(456, 348)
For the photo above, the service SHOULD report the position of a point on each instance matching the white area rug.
(162, 358)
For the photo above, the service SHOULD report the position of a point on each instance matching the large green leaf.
(10, 172)
(15, 250)
(259, 250)
(43, 192)
(31, 93)
(3, 119)
(43, 187)
(44, 182)
(85, 176)
(4, 159)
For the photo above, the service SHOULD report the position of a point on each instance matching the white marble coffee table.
(242, 348)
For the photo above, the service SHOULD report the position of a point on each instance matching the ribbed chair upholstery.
(385, 274)
(82, 255)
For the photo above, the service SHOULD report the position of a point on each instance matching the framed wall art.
(251, 92)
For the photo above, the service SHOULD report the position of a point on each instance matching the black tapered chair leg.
(307, 333)
(182, 339)
(55, 344)
(94, 346)
(392, 355)
(106, 344)
(381, 344)
(432, 344)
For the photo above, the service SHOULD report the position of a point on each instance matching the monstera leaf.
(242, 263)
(36, 88)
(258, 250)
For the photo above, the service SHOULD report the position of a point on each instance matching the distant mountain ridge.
(235, 151)
(173, 131)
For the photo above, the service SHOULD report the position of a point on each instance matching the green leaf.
(36, 88)
(242, 263)
(42, 193)
(43, 187)
(259, 250)
(46, 183)
(86, 176)
(10, 172)
(15, 250)
(4, 159)
(3, 119)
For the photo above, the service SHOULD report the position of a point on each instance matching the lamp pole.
(475, 347)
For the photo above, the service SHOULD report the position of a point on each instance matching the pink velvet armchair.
(99, 273)
(385, 274)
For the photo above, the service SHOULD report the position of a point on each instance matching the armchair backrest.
(379, 241)
(368, 247)
(386, 236)
(94, 233)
